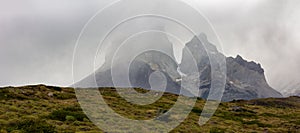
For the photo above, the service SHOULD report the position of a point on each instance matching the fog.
(37, 37)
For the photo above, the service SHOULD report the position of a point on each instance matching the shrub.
(3, 131)
(32, 126)
(197, 110)
(54, 88)
(3, 94)
(61, 115)
(70, 118)
(86, 120)
(216, 130)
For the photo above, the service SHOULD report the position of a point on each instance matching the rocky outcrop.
(245, 80)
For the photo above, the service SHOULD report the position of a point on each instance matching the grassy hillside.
(53, 109)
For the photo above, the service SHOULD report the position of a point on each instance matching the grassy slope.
(30, 109)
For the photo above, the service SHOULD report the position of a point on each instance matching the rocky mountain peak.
(250, 65)
(245, 80)
(202, 43)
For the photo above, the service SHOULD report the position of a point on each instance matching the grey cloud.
(37, 37)
(266, 33)
(37, 40)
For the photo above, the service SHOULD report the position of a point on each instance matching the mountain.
(245, 80)
(140, 69)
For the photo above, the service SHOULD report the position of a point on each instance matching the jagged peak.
(201, 41)
(250, 65)
(203, 36)
(200, 37)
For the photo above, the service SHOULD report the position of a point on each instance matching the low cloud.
(37, 37)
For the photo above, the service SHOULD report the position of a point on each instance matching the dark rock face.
(245, 80)
(248, 78)
(250, 65)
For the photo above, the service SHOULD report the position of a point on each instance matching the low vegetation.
(45, 109)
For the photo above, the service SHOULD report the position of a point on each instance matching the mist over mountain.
(244, 80)
(291, 89)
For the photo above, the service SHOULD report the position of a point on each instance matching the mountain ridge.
(244, 79)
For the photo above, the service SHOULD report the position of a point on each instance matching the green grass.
(63, 114)
(31, 109)
(31, 126)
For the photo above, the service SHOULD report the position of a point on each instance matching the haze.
(37, 37)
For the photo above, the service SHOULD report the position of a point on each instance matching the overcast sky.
(37, 37)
